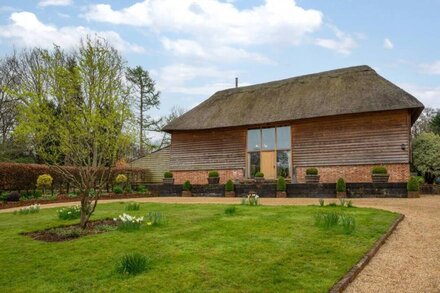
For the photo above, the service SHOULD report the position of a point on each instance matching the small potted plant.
(341, 188)
(259, 177)
(312, 175)
(229, 189)
(168, 178)
(281, 187)
(213, 177)
(186, 189)
(379, 174)
(413, 187)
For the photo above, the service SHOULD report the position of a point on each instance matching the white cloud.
(429, 96)
(430, 68)
(44, 3)
(177, 78)
(274, 21)
(26, 30)
(387, 44)
(344, 43)
(192, 49)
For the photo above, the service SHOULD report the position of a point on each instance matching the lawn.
(200, 249)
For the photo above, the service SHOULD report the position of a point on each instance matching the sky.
(194, 48)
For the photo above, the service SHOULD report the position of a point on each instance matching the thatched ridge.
(343, 91)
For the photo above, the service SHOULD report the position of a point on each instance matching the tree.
(165, 138)
(426, 154)
(83, 110)
(423, 124)
(435, 123)
(146, 97)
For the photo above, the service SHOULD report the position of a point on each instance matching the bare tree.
(423, 124)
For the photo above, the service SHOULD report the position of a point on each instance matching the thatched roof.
(343, 91)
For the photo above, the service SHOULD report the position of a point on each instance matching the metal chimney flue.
(236, 82)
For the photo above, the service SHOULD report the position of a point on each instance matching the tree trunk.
(84, 210)
(141, 134)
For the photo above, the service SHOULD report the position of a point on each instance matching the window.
(276, 139)
(254, 140)
(283, 163)
(254, 163)
(268, 138)
(283, 137)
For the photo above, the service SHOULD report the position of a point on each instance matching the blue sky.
(194, 48)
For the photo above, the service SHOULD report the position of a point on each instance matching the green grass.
(199, 249)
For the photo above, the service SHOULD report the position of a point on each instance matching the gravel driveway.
(408, 262)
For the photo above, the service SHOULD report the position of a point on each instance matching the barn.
(342, 122)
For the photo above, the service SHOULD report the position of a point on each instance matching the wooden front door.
(268, 164)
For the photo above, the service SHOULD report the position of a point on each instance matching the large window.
(276, 140)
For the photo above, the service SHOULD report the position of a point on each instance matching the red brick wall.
(355, 173)
(200, 177)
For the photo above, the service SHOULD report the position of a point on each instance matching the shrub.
(259, 174)
(332, 204)
(155, 219)
(340, 185)
(129, 223)
(348, 223)
(128, 188)
(379, 170)
(421, 180)
(3, 196)
(133, 264)
(327, 219)
(133, 206)
(187, 186)
(121, 178)
(69, 213)
(350, 204)
(33, 209)
(213, 174)
(167, 175)
(230, 211)
(142, 189)
(321, 202)
(13, 196)
(38, 194)
(44, 181)
(312, 171)
(413, 184)
(117, 189)
(229, 186)
(281, 184)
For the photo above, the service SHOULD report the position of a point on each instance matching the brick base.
(201, 177)
(356, 173)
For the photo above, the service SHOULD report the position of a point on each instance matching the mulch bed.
(63, 198)
(70, 232)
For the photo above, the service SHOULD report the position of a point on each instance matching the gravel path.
(408, 262)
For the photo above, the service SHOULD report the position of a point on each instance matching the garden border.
(349, 277)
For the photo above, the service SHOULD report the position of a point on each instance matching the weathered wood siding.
(369, 138)
(156, 164)
(208, 150)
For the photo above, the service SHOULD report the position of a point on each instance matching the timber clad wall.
(208, 150)
(369, 138)
(155, 163)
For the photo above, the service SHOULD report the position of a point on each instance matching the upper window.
(254, 140)
(268, 139)
(283, 137)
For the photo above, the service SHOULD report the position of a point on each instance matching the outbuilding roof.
(342, 91)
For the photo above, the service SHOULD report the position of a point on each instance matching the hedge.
(16, 176)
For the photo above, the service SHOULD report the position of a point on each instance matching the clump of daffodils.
(127, 222)
(252, 199)
(69, 213)
(32, 209)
